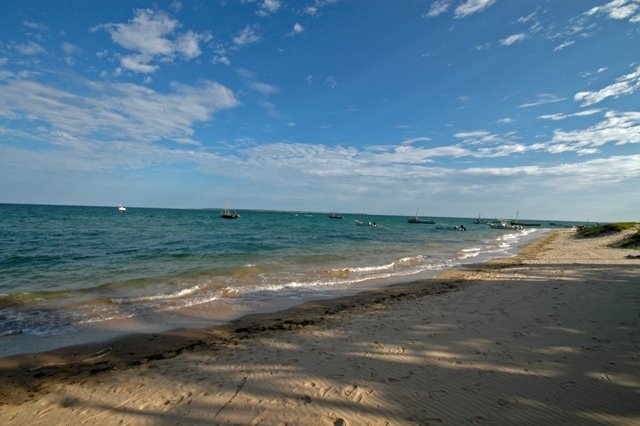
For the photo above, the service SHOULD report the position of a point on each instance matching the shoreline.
(215, 312)
(554, 266)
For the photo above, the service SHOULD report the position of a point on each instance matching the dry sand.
(551, 336)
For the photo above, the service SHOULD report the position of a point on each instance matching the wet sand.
(549, 336)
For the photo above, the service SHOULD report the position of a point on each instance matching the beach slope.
(549, 336)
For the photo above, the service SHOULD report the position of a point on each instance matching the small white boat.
(361, 223)
(504, 224)
(121, 208)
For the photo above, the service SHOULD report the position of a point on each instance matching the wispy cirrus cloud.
(152, 37)
(625, 85)
(254, 84)
(29, 48)
(560, 116)
(542, 99)
(469, 7)
(464, 9)
(35, 25)
(513, 39)
(618, 9)
(437, 8)
(620, 128)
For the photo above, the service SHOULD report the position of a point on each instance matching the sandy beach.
(551, 336)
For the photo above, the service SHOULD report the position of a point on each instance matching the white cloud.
(188, 44)
(70, 50)
(559, 116)
(618, 127)
(138, 63)
(264, 88)
(528, 18)
(470, 7)
(415, 140)
(116, 111)
(542, 99)
(315, 8)
(438, 8)
(29, 48)
(297, 28)
(331, 82)
(513, 39)
(268, 7)
(152, 36)
(35, 25)
(563, 45)
(255, 85)
(618, 9)
(625, 85)
(248, 35)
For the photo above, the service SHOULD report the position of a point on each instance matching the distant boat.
(451, 228)
(503, 224)
(478, 220)
(121, 208)
(521, 223)
(334, 215)
(226, 214)
(361, 223)
(418, 220)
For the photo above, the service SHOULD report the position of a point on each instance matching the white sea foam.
(175, 295)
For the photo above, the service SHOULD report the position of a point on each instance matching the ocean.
(64, 269)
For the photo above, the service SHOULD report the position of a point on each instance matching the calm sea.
(62, 267)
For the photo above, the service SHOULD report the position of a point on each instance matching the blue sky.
(455, 107)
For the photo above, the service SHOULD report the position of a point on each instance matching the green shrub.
(632, 241)
(606, 229)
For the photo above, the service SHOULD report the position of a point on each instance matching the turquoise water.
(65, 266)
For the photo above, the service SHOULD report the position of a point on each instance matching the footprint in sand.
(355, 394)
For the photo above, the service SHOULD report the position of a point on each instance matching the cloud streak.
(625, 85)
(115, 111)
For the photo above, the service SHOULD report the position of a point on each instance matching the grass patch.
(606, 229)
(631, 241)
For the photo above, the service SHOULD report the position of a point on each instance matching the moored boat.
(418, 220)
(334, 215)
(226, 214)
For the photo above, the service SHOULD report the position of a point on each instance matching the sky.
(454, 107)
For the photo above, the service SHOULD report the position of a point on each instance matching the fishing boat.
(334, 215)
(504, 224)
(480, 221)
(226, 214)
(521, 223)
(418, 220)
(121, 208)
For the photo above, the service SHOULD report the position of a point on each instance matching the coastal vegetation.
(629, 241)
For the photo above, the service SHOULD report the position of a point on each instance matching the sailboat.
(418, 220)
(334, 215)
(226, 214)
(521, 223)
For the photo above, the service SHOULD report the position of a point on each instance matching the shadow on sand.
(540, 349)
